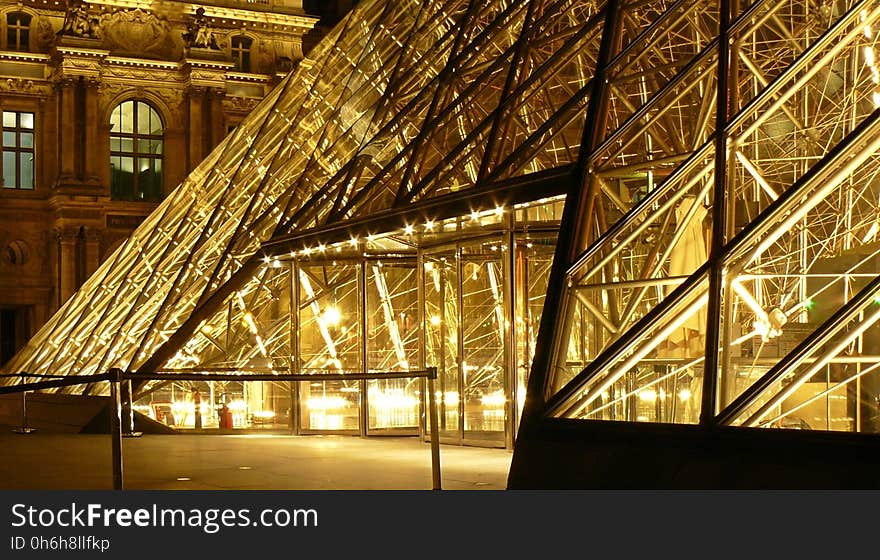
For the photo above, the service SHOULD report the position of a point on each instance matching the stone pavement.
(246, 462)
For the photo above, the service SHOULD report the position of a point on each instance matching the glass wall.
(463, 295)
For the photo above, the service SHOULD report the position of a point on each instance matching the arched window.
(18, 27)
(136, 134)
(241, 52)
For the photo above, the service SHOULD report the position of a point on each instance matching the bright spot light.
(332, 316)
(435, 319)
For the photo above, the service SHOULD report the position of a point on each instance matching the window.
(136, 137)
(18, 150)
(241, 52)
(18, 25)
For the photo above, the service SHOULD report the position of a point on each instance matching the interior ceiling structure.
(720, 162)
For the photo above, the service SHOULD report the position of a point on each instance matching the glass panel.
(534, 256)
(329, 340)
(392, 342)
(27, 140)
(155, 123)
(441, 329)
(8, 139)
(9, 163)
(786, 129)
(116, 120)
(483, 328)
(834, 386)
(150, 179)
(143, 117)
(126, 117)
(26, 161)
(9, 119)
(121, 178)
(657, 376)
(26, 120)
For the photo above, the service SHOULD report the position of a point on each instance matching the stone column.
(195, 127)
(67, 127)
(93, 251)
(67, 238)
(218, 119)
(93, 156)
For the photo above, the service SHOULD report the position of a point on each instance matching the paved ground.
(250, 462)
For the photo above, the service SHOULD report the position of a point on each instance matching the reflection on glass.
(329, 341)
(392, 342)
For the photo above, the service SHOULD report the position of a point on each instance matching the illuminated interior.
(399, 200)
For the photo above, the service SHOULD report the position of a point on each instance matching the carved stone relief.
(139, 33)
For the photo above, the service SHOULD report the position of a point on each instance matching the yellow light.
(869, 55)
(429, 266)
(499, 210)
(648, 395)
(475, 216)
(249, 321)
(435, 320)
(353, 242)
(264, 414)
(429, 225)
(326, 403)
(408, 230)
(496, 399)
(875, 97)
(332, 316)
(392, 398)
(450, 397)
(237, 405)
(684, 395)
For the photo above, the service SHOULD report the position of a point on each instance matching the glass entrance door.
(483, 328)
(392, 337)
(441, 337)
(329, 342)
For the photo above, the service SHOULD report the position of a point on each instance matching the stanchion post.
(116, 427)
(435, 429)
(128, 410)
(24, 429)
(129, 402)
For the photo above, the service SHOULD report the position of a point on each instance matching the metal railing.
(116, 376)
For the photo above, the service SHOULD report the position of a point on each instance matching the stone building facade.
(106, 106)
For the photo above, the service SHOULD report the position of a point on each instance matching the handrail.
(116, 376)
